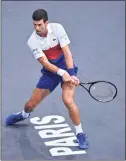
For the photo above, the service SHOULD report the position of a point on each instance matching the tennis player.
(49, 44)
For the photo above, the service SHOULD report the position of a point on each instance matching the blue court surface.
(97, 33)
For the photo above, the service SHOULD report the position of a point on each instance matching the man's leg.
(68, 99)
(45, 85)
(37, 96)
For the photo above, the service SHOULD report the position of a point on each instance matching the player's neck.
(44, 34)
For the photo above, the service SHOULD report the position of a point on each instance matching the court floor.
(97, 33)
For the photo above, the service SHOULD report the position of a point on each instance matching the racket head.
(103, 91)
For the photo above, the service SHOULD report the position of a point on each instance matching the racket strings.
(102, 91)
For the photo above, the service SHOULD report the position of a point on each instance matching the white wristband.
(61, 72)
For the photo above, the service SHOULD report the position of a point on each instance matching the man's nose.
(37, 27)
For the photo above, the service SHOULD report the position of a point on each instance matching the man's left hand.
(76, 81)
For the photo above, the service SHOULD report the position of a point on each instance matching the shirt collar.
(49, 29)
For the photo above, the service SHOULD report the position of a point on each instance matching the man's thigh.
(68, 90)
(39, 94)
(48, 82)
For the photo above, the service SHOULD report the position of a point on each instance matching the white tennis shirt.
(51, 44)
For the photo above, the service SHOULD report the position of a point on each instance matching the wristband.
(71, 71)
(61, 72)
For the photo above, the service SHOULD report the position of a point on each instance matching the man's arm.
(53, 68)
(41, 57)
(49, 66)
(64, 43)
(70, 64)
(68, 56)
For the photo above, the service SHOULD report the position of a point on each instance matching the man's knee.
(68, 101)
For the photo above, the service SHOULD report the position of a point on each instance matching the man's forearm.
(69, 60)
(49, 66)
(68, 57)
(46, 64)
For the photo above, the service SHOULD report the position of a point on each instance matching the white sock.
(25, 115)
(78, 129)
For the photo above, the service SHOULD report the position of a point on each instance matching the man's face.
(40, 27)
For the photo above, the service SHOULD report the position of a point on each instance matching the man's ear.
(46, 22)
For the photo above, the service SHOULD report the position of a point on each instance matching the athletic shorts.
(50, 80)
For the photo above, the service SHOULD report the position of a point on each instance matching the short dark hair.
(40, 14)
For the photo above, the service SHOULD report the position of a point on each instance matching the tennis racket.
(102, 91)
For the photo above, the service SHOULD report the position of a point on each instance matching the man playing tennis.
(50, 46)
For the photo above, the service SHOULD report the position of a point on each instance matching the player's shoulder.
(55, 26)
(32, 38)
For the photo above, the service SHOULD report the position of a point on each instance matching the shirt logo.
(34, 50)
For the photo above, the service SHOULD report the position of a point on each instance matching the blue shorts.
(50, 80)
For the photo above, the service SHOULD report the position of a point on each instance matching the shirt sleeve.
(37, 52)
(62, 36)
